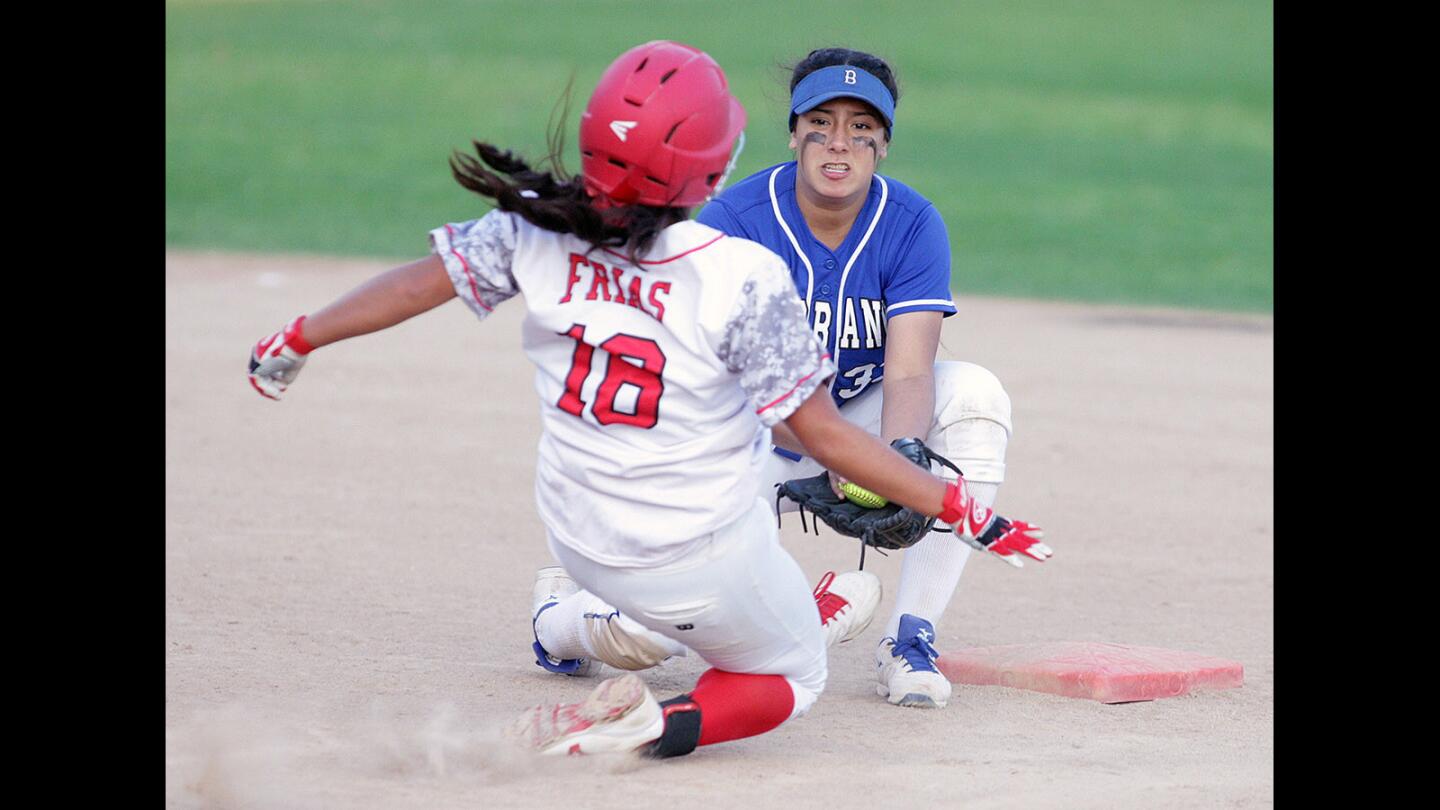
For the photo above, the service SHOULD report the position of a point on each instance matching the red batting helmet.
(659, 127)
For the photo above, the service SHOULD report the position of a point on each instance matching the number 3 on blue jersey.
(863, 376)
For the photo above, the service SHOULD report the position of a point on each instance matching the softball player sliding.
(664, 352)
(871, 259)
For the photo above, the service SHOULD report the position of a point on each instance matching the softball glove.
(889, 527)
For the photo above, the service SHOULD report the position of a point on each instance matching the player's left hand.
(891, 526)
(276, 360)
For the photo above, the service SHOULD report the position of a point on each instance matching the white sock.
(931, 569)
(561, 629)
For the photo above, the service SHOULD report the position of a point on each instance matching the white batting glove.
(983, 530)
(276, 360)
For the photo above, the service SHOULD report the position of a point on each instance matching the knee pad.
(972, 424)
(967, 391)
(624, 643)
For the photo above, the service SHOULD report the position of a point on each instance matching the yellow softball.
(860, 495)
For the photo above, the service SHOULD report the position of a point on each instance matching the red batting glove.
(980, 528)
(276, 360)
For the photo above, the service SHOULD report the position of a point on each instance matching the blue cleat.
(905, 667)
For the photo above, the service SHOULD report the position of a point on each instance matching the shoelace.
(917, 653)
(829, 603)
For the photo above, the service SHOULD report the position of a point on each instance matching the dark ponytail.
(557, 202)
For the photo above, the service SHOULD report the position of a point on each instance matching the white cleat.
(847, 604)
(906, 668)
(619, 716)
(551, 585)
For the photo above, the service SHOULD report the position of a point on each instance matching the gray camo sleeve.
(769, 343)
(478, 255)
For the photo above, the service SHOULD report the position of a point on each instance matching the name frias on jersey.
(865, 330)
(612, 284)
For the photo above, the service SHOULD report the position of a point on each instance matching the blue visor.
(845, 81)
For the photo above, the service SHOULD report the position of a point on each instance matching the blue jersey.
(896, 259)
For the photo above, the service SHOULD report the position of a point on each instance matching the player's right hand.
(983, 530)
(276, 360)
(1008, 539)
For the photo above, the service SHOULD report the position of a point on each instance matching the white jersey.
(658, 384)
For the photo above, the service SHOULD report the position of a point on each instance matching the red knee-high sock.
(733, 706)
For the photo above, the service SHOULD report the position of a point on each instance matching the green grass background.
(1115, 150)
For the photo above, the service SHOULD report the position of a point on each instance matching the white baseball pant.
(740, 601)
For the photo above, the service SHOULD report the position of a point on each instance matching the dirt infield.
(348, 572)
